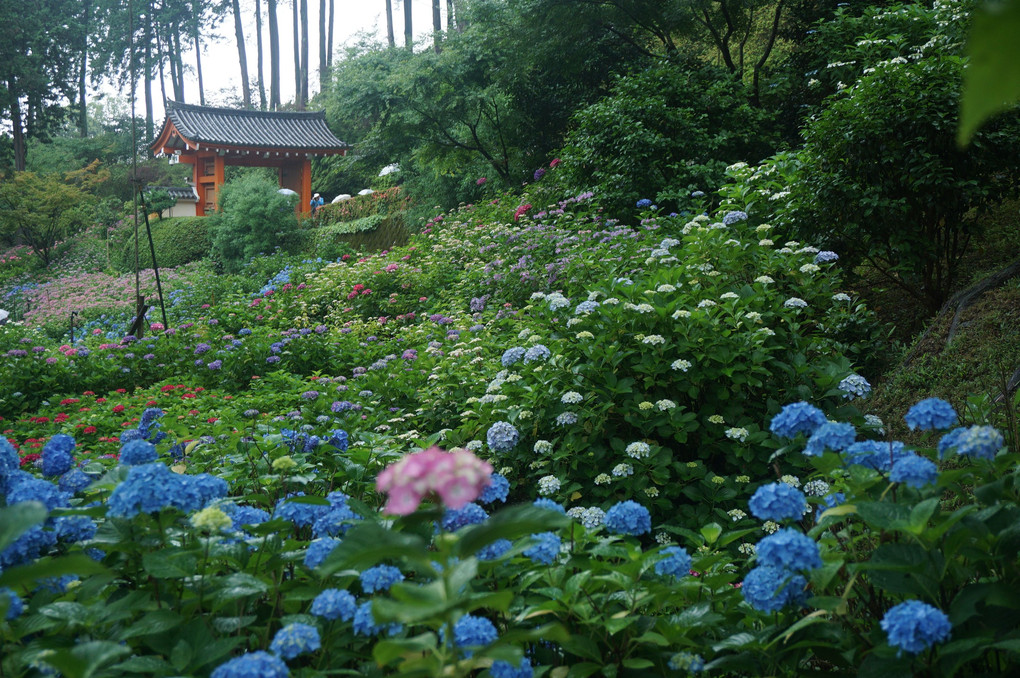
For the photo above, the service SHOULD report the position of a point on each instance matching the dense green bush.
(663, 133)
(371, 233)
(177, 241)
(254, 218)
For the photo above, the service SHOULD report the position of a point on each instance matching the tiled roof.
(176, 192)
(259, 129)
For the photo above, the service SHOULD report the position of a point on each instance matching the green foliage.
(177, 241)
(253, 219)
(663, 133)
(390, 201)
(882, 180)
(41, 210)
(992, 82)
(159, 201)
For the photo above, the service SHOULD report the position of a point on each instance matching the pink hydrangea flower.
(457, 478)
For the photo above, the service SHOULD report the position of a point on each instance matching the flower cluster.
(457, 477)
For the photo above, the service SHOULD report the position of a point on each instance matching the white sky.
(221, 73)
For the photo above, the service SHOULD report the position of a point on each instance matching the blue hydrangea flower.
(380, 578)
(828, 501)
(685, 661)
(336, 521)
(244, 515)
(790, 550)
(545, 549)
(497, 489)
(914, 626)
(644, 203)
(836, 436)
(549, 505)
(512, 355)
(148, 489)
(983, 442)
(9, 460)
(494, 550)
(28, 547)
(628, 517)
(74, 481)
(778, 502)
(338, 438)
(137, 452)
(914, 471)
(202, 489)
(536, 352)
(931, 413)
(56, 455)
(504, 669)
(825, 256)
(149, 416)
(37, 489)
(318, 550)
(334, 604)
(129, 435)
(874, 454)
(950, 440)
(768, 589)
(294, 640)
(676, 564)
(854, 386)
(586, 307)
(469, 514)
(71, 529)
(13, 602)
(797, 418)
(301, 514)
(364, 622)
(471, 631)
(733, 217)
(502, 436)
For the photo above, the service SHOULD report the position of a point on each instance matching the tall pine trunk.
(241, 55)
(304, 55)
(323, 66)
(18, 131)
(408, 29)
(261, 61)
(390, 36)
(437, 24)
(83, 118)
(297, 57)
(274, 56)
(147, 66)
(329, 37)
(196, 11)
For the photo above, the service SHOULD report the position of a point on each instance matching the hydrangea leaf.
(992, 80)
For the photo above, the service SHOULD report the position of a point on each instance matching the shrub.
(666, 131)
(883, 181)
(254, 218)
(177, 241)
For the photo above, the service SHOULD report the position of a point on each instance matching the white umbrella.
(286, 191)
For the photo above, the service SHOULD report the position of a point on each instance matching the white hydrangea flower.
(623, 470)
(765, 242)
(638, 450)
(662, 539)
(653, 339)
(762, 228)
(681, 365)
(729, 295)
(716, 419)
(753, 316)
(792, 481)
(738, 433)
(652, 492)
(736, 514)
(548, 485)
(770, 527)
(571, 398)
(682, 313)
(474, 445)
(816, 488)
(748, 549)
(665, 404)
(665, 288)
(543, 447)
(795, 302)
(764, 280)
(810, 268)
(706, 303)
(841, 296)
(611, 301)
(603, 479)
(585, 335)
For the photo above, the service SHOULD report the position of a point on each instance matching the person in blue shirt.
(316, 203)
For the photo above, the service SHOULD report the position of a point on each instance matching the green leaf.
(921, 514)
(169, 564)
(991, 82)
(510, 523)
(16, 520)
(146, 665)
(637, 663)
(84, 659)
(28, 575)
(239, 585)
(884, 515)
(385, 651)
(369, 543)
(711, 532)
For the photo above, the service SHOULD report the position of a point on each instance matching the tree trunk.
(178, 57)
(261, 61)
(408, 28)
(147, 65)
(297, 56)
(18, 131)
(304, 55)
(196, 10)
(83, 118)
(241, 55)
(323, 67)
(274, 56)
(390, 36)
(437, 23)
(329, 37)
(160, 51)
